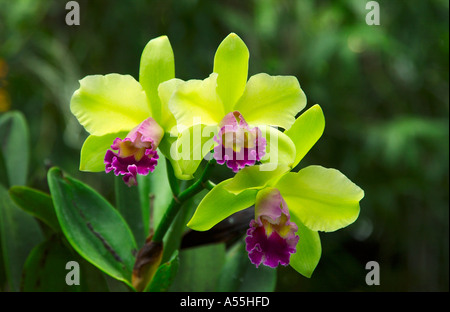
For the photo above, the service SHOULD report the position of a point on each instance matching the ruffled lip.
(238, 145)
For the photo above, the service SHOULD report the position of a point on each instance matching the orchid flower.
(290, 207)
(236, 115)
(125, 118)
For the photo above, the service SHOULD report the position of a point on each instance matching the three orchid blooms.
(248, 124)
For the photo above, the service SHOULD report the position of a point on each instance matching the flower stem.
(174, 186)
(178, 201)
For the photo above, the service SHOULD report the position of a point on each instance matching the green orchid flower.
(125, 118)
(290, 207)
(235, 116)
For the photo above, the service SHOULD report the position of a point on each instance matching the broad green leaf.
(219, 204)
(129, 206)
(196, 102)
(255, 177)
(93, 226)
(37, 204)
(309, 249)
(231, 65)
(165, 91)
(109, 104)
(19, 233)
(3, 171)
(45, 268)
(94, 149)
(306, 131)
(271, 100)
(323, 199)
(14, 138)
(240, 275)
(157, 65)
(164, 276)
(280, 150)
(199, 268)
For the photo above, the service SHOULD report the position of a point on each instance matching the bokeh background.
(384, 92)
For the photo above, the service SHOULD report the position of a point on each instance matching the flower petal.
(196, 102)
(309, 249)
(188, 149)
(165, 91)
(231, 63)
(109, 104)
(219, 204)
(94, 149)
(323, 199)
(280, 150)
(271, 100)
(157, 65)
(306, 131)
(255, 177)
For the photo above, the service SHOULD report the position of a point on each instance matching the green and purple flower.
(290, 207)
(271, 238)
(238, 117)
(126, 119)
(136, 154)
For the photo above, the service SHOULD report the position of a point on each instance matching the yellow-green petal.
(323, 199)
(186, 151)
(197, 102)
(94, 149)
(255, 177)
(309, 249)
(165, 91)
(219, 204)
(157, 65)
(231, 64)
(280, 149)
(109, 104)
(306, 131)
(271, 100)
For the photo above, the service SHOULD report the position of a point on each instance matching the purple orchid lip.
(271, 238)
(238, 144)
(136, 154)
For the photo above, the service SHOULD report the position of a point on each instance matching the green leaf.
(164, 276)
(240, 275)
(322, 199)
(129, 206)
(14, 138)
(218, 204)
(306, 131)
(197, 102)
(3, 171)
(309, 249)
(92, 226)
(19, 233)
(231, 65)
(36, 203)
(199, 268)
(157, 65)
(94, 149)
(45, 268)
(109, 104)
(271, 100)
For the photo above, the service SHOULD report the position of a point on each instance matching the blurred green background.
(384, 92)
